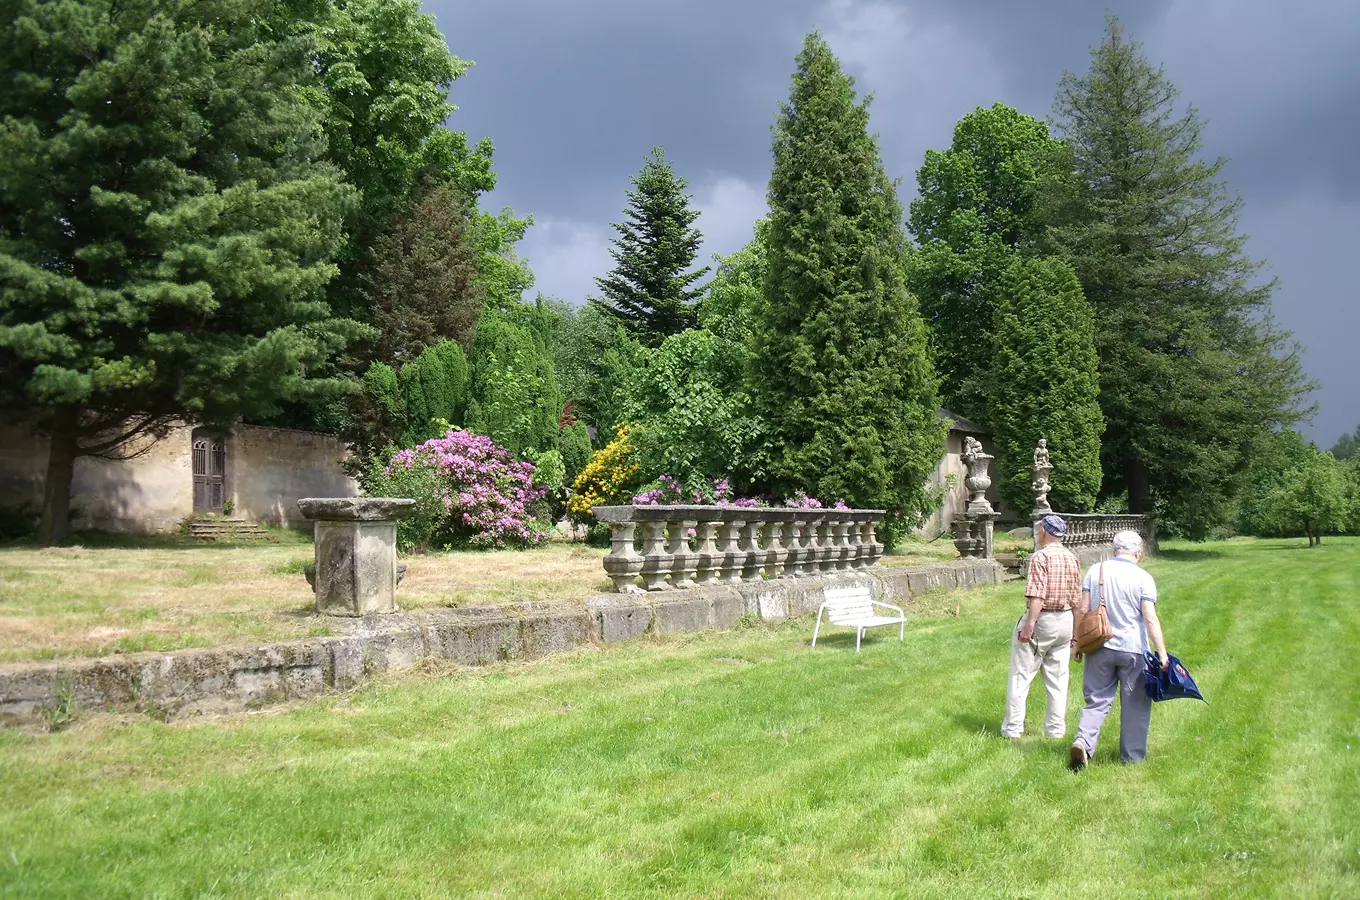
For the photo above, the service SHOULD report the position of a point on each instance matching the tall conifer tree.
(651, 290)
(840, 367)
(1193, 371)
(1044, 384)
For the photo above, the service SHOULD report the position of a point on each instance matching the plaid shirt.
(1054, 577)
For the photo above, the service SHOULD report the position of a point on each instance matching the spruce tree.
(1193, 371)
(976, 211)
(167, 226)
(651, 288)
(1044, 384)
(840, 368)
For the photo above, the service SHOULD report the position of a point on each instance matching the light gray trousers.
(1107, 671)
(1049, 653)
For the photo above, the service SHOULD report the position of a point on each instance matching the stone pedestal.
(356, 571)
(975, 536)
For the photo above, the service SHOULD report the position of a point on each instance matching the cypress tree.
(650, 291)
(840, 368)
(1193, 371)
(1044, 384)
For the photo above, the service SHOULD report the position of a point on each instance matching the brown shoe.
(1077, 758)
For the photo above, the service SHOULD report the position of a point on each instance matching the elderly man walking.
(1130, 597)
(1042, 639)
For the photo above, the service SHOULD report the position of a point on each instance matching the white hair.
(1127, 543)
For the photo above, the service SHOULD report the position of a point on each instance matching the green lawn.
(744, 765)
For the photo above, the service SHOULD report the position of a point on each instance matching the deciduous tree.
(977, 210)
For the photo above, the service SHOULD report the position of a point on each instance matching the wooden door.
(210, 469)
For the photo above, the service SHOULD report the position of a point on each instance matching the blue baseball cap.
(1054, 525)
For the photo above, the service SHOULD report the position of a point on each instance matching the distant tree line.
(253, 212)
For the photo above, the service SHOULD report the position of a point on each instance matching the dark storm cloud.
(574, 95)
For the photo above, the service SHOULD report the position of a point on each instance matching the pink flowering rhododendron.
(671, 491)
(466, 488)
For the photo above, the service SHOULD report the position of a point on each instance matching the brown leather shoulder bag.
(1094, 629)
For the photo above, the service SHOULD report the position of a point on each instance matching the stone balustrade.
(1096, 531)
(682, 546)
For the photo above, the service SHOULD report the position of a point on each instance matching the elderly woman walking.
(1130, 597)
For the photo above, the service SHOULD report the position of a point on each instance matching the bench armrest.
(896, 609)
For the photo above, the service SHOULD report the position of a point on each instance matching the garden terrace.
(124, 594)
(680, 546)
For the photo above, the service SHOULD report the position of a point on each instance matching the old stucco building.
(257, 473)
(956, 498)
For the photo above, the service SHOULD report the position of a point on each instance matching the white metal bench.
(853, 607)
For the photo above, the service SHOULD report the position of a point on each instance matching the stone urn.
(977, 481)
(355, 572)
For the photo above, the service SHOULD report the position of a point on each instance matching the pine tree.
(651, 289)
(167, 226)
(1044, 384)
(976, 211)
(1193, 371)
(840, 368)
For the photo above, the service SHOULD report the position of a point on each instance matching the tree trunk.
(1140, 486)
(55, 524)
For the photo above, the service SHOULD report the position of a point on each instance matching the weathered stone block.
(619, 619)
(544, 635)
(728, 608)
(679, 616)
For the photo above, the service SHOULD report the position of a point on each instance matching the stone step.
(214, 528)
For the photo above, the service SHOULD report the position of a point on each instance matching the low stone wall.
(233, 679)
(1091, 535)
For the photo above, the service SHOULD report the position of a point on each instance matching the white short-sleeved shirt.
(1126, 587)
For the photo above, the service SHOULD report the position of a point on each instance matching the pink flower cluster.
(801, 500)
(484, 491)
(671, 491)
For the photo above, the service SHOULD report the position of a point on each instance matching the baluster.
(750, 549)
(656, 562)
(774, 548)
(807, 549)
(841, 529)
(709, 566)
(683, 558)
(731, 561)
(821, 560)
(623, 562)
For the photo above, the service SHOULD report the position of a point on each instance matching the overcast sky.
(574, 95)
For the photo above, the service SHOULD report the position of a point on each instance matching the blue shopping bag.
(1170, 683)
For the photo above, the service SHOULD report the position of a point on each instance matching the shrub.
(468, 491)
(576, 450)
(611, 476)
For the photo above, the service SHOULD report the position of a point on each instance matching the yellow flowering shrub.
(610, 477)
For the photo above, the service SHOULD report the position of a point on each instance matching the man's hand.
(1161, 658)
(1026, 632)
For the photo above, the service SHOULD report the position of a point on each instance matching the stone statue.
(1041, 470)
(1041, 456)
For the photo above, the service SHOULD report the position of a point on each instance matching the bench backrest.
(848, 603)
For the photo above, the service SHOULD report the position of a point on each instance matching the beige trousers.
(1048, 651)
